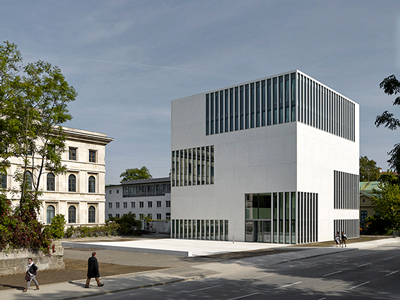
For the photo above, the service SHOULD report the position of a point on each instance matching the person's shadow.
(77, 283)
(12, 287)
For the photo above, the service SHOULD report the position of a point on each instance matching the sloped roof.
(366, 188)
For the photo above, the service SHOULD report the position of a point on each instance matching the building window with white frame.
(72, 214)
(92, 156)
(92, 184)
(132, 204)
(158, 216)
(125, 204)
(158, 203)
(92, 214)
(28, 179)
(51, 182)
(50, 213)
(109, 204)
(116, 204)
(72, 183)
(141, 204)
(3, 181)
(168, 203)
(149, 204)
(72, 153)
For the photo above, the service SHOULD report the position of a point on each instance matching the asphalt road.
(358, 274)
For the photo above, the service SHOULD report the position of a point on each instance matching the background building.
(79, 194)
(271, 160)
(144, 197)
(366, 206)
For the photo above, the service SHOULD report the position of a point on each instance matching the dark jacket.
(93, 268)
(33, 269)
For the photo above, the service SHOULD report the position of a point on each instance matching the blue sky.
(129, 59)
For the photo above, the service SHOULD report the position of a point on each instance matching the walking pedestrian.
(93, 270)
(30, 275)
(343, 238)
(337, 239)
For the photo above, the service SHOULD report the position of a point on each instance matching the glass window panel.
(216, 113)
(249, 206)
(252, 105)
(50, 182)
(264, 203)
(227, 116)
(280, 99)
(203, 231)
(50, 213)
(257, 104)
(221, 111)
(275, 100)
(246, 96)
(269, 104)
(263, 114)
(212, 113)
(287, 91)
(72, 214)
(293, 96)
(216, 230)
(226, 230)
(236, 108)
(212, 164)
(207, 114)
(275, 222)
(241, 108)
(190, 166)
(92, 214)
(249, 231)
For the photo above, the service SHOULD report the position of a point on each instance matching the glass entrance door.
(258, 231)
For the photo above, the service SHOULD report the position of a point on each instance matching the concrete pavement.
(75, 289)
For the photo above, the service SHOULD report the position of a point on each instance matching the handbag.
(27, 276)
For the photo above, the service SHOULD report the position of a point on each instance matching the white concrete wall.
(279, 158)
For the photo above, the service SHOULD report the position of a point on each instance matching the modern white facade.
(271, 160)
(144, 198)
(79, 194)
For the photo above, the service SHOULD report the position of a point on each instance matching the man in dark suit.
(93, 270)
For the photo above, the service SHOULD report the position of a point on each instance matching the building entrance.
(258, 231)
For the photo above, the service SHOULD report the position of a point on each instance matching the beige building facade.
(79, 194)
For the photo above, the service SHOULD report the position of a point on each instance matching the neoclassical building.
(271, 160)
(80, 193)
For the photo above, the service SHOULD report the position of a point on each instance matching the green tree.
(368, 169)
(33, 105)
(387, 203)
(391, 86)
(134, 174)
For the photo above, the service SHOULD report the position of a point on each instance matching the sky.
(129, 59)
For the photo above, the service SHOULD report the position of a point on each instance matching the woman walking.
(30, 275)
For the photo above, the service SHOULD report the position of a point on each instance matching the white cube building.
(272, 160)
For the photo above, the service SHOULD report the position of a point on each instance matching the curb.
(135, 288)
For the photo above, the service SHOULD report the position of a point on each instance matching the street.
(358, 274)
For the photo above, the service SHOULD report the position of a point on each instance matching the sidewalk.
(75, 289)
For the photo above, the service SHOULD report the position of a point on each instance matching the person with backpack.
(30, 275)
